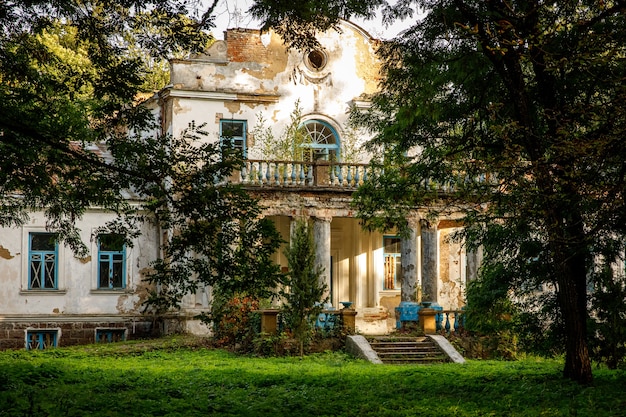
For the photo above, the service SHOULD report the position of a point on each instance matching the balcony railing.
(303, 174)
(339, 175)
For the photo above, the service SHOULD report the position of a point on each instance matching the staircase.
(394, 350)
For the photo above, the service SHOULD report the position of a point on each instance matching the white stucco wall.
(77, 292)
(269, 82)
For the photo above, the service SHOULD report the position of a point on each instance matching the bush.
(608, 325)
(235, 323)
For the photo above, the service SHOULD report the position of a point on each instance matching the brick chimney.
(244, 45)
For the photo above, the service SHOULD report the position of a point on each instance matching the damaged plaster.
(5, 253)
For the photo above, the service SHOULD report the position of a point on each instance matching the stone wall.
(70, 333)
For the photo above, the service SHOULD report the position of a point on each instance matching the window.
(315, 60)
(321, 141)
(111, 262)
(393, 263)
(110, 335)
(233, 134)
(42, 255)
(41, 339)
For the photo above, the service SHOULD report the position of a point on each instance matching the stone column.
(409, 260)
(321, 237)
(474, 258)
(430, 254)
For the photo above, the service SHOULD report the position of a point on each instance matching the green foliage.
(164, 377)
(297, 23)
(216, 236)
(520, 106)
(235, 323)
(73, 137)
(608, 324)
(287, 146)
(302, 291)
(70, 74)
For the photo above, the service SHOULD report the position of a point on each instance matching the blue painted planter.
(407, 311)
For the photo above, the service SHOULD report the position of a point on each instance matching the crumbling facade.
(242, 86)
(49, 297)
(250, 92)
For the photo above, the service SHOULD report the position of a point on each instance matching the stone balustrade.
(340, 175)
(303, 174)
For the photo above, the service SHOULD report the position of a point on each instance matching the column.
(409, 260)
(430, 254)
(474, 258)
(321, 237)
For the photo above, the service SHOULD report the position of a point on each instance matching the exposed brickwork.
(13, 334)
(244, 45)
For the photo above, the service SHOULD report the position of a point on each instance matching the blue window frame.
(233, 134)
(42, 260)
(41, 339)
(322, 141)
(110, 335)
(111, 262)
(393, 263)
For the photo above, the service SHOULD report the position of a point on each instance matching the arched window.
(321, 142)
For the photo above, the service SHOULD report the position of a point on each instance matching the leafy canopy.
(70, 74)
(517, 105)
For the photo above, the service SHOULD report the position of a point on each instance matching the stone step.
(405, 345)
(425, 350)
(384, 356)
(399, 338)
(407, 350)
(422, 361)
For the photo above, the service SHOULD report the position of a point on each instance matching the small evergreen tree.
(302, 290)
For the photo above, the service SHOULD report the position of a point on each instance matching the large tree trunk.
(571, 271)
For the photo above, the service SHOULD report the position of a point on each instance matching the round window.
(315, 59)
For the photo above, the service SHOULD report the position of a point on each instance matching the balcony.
(335, 175)
(300, 174)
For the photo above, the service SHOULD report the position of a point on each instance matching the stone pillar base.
(269, 321)
(348, 317)
(427, 320)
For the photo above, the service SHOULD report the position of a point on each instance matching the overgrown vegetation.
(71, 74)
(520, 106)
(507, 318)
(291, 143)
(175, 377)
(300, 297)
(302, 291)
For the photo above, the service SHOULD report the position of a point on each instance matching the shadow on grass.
(191, 381)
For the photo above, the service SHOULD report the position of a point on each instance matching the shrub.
(235, 323)
(302, 290)
(608, 326)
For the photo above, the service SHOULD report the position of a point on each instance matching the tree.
(70, 76)
(519, 105)
(74, 134)
(216, 235)
(302, 291)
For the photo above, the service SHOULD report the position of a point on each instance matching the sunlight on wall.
(361, 277)
(379, 266)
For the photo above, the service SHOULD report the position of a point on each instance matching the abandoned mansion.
(243, 87)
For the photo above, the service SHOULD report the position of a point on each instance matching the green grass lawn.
(171, 378)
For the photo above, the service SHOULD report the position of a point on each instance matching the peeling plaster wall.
(250, 74)
(77, 292)
(451, 287)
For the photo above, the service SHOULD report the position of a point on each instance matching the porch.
(375, 271)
